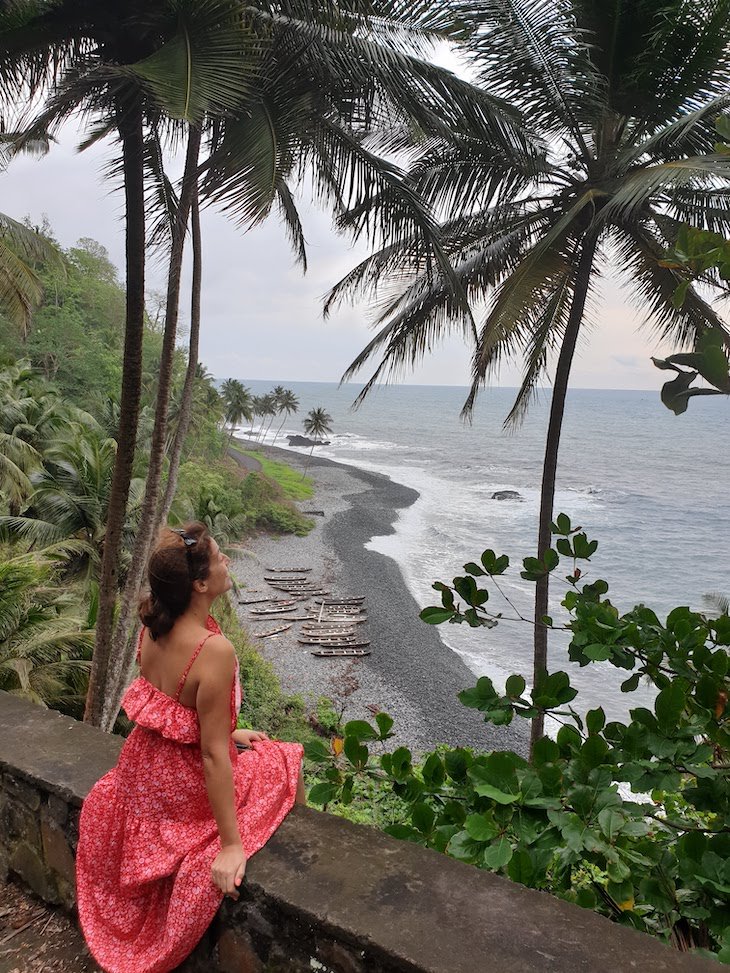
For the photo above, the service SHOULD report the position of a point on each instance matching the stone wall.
(323, 896)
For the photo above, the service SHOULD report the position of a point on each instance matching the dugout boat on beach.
(339, 653)
(273, 631)
(288, 570)
(276, 610)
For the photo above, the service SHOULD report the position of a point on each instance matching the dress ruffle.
(149, 707)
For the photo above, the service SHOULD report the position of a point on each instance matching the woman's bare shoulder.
(219, 652)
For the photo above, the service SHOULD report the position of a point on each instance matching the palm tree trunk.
(276, 436)
(309, 460)
(130, 130)
(186, 405)
(123, 646)
(550, 465)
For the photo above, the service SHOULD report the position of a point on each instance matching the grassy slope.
(292, 483)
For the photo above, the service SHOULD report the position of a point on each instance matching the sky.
(261, 317)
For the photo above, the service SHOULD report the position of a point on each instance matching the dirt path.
(248, 462)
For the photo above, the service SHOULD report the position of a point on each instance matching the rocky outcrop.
(304, 441)
(508, 495)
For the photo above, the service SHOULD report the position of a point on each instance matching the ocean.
(650, 486)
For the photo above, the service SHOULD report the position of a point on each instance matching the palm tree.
(268, 411)
(45, 649)
(20, 286)
(70, 498)
(316, 424)
(238, 403)
(621, 99)
(31, 418)
(288, 405)
(188, 389)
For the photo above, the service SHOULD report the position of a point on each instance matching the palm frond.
(535, 54)
(208, 65)
(640, 257)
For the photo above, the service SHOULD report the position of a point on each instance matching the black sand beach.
(410, 674)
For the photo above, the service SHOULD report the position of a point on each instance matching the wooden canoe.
(338, 653)
(286, 579)
(319, 629)
(272, 631)
(338, 609)
(271, 600)
(279, 610)
(334, 602)
(327, 639)
(339, 619)
(288, 570)
(330, 634)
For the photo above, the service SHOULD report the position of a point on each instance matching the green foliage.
(232, 505)
(630, 819)
(701, 254)
(45, 647)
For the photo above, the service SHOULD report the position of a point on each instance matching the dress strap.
(188, 667)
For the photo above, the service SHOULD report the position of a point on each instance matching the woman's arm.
(213, 703)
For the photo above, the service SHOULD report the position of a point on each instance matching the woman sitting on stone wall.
(167, 833)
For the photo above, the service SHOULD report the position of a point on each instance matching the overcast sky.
(261, 318)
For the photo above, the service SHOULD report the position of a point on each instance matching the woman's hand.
(228, 870)
(247, 737)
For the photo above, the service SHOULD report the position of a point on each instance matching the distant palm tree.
(317, 423)
(267, 406)
(288, 405)
(238, 404)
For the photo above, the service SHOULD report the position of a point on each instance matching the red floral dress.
(147, 836)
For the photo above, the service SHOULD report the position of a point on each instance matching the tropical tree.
(188, 390)
(621, 99)
(45, 648)
(319, 82)
(70, 499)
(267, 405)
(288, 406)
(238, 403)
(20, 287)
(31, 419)
(317, 423)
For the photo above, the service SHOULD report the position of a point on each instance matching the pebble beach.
(410, 673)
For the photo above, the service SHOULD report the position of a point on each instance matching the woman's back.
(174, 663)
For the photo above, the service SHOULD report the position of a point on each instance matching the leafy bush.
(231, 505)
(630, 819)
(284, 520)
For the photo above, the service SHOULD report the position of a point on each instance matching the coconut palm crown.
(622, 100)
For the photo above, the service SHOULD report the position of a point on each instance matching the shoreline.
(411, 673)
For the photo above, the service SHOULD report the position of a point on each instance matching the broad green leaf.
(481, 827)
(435, 615)
(499, 854)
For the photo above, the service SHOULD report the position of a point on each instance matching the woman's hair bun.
(172, 568)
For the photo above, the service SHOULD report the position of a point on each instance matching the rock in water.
(508, 495)
(304, 441)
